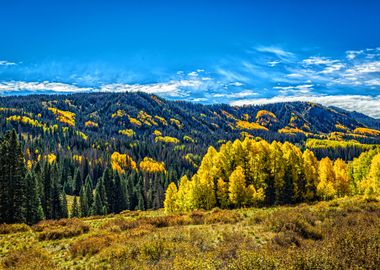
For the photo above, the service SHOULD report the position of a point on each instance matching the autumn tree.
(170, 203)
(236, 188)
(325, 187)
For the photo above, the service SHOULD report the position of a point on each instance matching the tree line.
(32, 191)
(258, 173)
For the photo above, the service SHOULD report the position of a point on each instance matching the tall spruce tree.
(75, 208)
(84, 208)
(34, 211)
(12, 180)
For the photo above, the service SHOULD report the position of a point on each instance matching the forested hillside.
(103, 153)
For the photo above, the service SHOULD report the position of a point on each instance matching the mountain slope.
(308, 117)
(176, 132)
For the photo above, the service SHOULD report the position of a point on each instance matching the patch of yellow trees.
(257, 173)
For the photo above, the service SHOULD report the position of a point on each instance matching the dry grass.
(341, 234)
(58, 229)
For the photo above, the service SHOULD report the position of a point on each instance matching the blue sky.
(237, 52)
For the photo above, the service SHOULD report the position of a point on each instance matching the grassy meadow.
(339, 234)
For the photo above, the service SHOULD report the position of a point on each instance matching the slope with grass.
(340, 234)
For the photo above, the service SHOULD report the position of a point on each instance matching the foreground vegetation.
(340, 234)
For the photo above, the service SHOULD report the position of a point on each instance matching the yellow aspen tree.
(371, 185)
(342, 183)
(275, 183)
(222, 193)
(170, 203)
(310, 164)
(183, 197)
(237, 187)
(325, 188)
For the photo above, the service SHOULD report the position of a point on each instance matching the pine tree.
(84, 208)
(99, 206)
(34, 211)
(17, 183)
(108, 183)
(63, 208)
(89, 191)
(75, 208)
(47, 192)
(119, 201)
(77, 182)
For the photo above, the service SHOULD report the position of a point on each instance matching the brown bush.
(91, 245)
(298, 221)
(222, 216)
(58, 229)
(121, 224)
(13, 228)
(197, 217)
(27, 259)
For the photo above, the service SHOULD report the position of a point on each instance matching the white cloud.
(242, 94)
(279, 52)
(171, 88)
(365, 104)
(6, 63)
(316, 60)
(16, 86)
(237, 84)
(333, 68)
(273, 63)
(303, 88)
(193, 74)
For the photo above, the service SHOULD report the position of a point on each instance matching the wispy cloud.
(6, 63)
(278, 51)
(17, 86)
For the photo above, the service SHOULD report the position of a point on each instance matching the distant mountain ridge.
(288, 118)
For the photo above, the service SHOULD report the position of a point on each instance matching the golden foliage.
(91, 124)
(161, 120)
(166, 139)
(342, 127)
(51, 158)
(266, 118)
(25, 120)
(118, 113)
(188, 139)
(134, 121)
(263, 113)
(157, 133)
(249, 125)
(81, 135)
(146, 119)
(78, 158)
(176, 122)
(127, 132)
(228, 115)
(121, 162)
(291, 130)
(367, 131)
(65, 117)
(152, 166)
